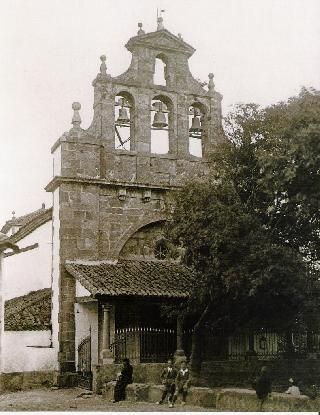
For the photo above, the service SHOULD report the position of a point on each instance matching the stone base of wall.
(246, 400)
(16, 381)
(142, 373)
(221, 399)
(66, 380)
(241, 373)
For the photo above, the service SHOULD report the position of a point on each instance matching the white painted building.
(26, 289)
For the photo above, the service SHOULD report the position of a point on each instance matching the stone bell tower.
(114, 180)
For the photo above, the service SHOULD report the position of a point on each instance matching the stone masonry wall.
(108, 195)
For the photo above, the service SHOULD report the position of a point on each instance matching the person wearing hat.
(293, 388)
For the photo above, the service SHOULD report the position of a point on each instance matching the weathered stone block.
(246, 400)
(203, 397)
(64, 197)
(26, 380)
(108, 390)
(86, 244)
(155, 393)
(137, 392)
(67, 379)
(11, 381)
(70, 146)
(70, 163)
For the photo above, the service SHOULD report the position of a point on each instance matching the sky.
(260, 51)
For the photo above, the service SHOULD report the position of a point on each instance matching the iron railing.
(264, 344)
(149, 344)
(144, 344)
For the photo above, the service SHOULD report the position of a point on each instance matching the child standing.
(168, 377)
(182, 384)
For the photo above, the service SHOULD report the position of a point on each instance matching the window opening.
(159, 127)
(122, 123)
(160, 71)
(196, 118)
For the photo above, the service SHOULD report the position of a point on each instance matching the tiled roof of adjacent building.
(28, 312)
(27, 223)
(134, 278)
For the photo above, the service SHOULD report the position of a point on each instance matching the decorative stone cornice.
(58, 180)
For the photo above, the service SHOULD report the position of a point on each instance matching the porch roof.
(134, 278)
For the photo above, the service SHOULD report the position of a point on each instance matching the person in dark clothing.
(263, 386)
(182, 384)
(124, 378)
(168, 377)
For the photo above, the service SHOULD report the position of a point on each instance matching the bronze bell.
(123, 116)
(159, 120)
(195, 125)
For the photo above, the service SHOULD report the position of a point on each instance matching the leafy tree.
(251, 229)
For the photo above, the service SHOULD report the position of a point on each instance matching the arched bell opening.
(161, 120)
(197, 122)
(160, 70)
(124, 107)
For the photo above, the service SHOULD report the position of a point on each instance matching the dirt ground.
(77, 399)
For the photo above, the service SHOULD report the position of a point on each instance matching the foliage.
(251, 228)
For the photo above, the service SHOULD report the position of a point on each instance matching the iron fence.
(266, 344)
(144, 344)
(149, 344)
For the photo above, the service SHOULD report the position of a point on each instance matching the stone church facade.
(112, 194)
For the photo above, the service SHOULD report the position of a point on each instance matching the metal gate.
(84, 364)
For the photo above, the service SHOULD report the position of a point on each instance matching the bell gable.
(162, 40)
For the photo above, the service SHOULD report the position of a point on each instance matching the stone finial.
(76, 119)
(140, 31)
(160, 25)
(180, 36)
(211, 83)
(13, 213)
(43, 206)
(103, 66)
